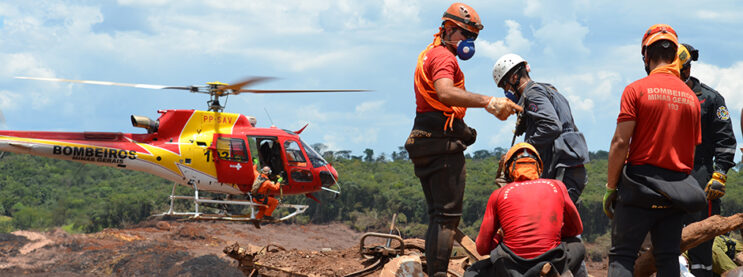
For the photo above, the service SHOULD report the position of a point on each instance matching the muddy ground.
(176, 248)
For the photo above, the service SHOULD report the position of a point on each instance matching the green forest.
(40, 193)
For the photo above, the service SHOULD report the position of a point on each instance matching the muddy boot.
(268, 218)
(257, 224)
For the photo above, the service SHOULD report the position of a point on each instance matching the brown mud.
(189, 248)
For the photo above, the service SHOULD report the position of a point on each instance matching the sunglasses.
(468, 34)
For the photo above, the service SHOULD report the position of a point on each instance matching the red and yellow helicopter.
(210, 151)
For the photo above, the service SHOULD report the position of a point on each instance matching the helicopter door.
(297, 166)
(232, 159)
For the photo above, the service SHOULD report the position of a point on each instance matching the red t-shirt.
(667, 122)
(534, 216)
(438, 63)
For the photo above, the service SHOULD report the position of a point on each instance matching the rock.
(403, 266)
(162, 225)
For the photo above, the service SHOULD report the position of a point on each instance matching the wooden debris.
(693, 235)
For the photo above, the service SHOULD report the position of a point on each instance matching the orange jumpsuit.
(263, 198)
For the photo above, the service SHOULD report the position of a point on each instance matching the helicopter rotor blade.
(104, 83)
(301, 90)
(250, 81)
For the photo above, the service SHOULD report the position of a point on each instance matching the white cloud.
(719, 16)
(727, 81)
(400, 12)
(563, 38)
(145, 2)
(514, 41)
(370, 106)
(9, 100)
(22, 64)
(504, 134)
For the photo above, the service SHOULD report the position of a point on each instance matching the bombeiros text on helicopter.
(208, 151)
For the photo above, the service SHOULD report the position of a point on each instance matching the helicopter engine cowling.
(145, 122)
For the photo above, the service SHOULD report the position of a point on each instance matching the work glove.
(502, 107)
(716, 186)
(610, 197)
(279, 180)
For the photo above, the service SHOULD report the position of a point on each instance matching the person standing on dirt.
(649, 187)
(547, 123)
(712, 158)
(439, 134)
(538, 221)
(262, 187)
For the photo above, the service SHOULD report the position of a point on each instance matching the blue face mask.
(466, 49)
(511, 95)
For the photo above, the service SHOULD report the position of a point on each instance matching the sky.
(589, 50)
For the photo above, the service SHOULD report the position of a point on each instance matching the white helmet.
(505, 64)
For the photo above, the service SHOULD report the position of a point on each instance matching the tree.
(368, 155)
(402, 155)
(343, 154)
(319, 147)
(481, 155)
(382, 157)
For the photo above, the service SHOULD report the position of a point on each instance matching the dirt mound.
(147, 249)
(10, 245)
(187, 249)
(317, 263)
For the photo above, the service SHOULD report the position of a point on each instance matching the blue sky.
(589, 50)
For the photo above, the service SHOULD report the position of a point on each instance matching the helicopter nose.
(329, 176)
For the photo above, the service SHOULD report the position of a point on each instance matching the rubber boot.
(439, 242)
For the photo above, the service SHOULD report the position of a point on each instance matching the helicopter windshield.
(315, 158)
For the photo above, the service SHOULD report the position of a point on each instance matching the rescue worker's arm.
(723, 136)
(572, 225)
(486, 238)
(454, 96)
(618, 151)
(269, 186)
(545, 117)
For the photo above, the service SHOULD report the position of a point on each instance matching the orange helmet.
(464, 16)
(659, 32)
(521, 161)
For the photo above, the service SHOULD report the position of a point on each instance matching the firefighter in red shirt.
(439, 134)
(649, 187)
(538, 222)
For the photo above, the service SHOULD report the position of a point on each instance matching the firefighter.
(261, 190)
(538, 221)
(547, 123)
(712, 158)
(649, 187)
(439, 134)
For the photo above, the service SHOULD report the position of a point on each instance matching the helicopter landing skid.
(250, 217)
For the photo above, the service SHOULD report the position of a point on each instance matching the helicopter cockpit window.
(232, 149)
(294, 153)
(315, 158)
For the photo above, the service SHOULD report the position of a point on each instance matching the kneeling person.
(262, 187)
(538, 222)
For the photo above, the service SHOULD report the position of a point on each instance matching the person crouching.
(528, 223)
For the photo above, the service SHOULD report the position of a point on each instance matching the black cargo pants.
(443, 181)
(700, 257)
(628, 230)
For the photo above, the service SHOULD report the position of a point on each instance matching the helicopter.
(208, 151)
